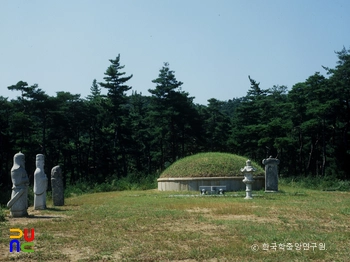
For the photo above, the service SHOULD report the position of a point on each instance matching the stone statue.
(18, 203)
(57, 186)
(40, 183)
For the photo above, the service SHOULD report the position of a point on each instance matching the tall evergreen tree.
(171, 112)
(6, 147)
(140, 144)
(96, 144)
(95, 91)
(248, 125)
(217, 126)
(118, 131)
(339, 83)
(115, 83)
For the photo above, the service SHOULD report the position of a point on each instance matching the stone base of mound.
(193, 183)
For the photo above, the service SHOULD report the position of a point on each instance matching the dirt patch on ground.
(191, 227)
(199, 210)
(246, 218)
(77, 254)
(211, 214)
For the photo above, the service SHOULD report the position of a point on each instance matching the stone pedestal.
(271, 174)
(248, 178)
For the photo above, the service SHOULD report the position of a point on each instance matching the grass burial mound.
(209, 165)
(208, 169)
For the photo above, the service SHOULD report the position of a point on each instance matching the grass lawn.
(170, 226)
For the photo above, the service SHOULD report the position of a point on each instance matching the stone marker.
(40, 183)
(271, 174)
(57, 186)
(18, 203)
(248, 178)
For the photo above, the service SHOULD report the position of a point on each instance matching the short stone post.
(248, 178)
(271, 174)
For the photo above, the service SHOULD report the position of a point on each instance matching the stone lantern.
(248, 178)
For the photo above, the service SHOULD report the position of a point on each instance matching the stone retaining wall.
(193, 183)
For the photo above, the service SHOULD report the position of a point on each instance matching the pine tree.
(173, 117)
(95, 91)
(115, 82)
(116, 125)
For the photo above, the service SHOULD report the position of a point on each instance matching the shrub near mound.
(209, 165)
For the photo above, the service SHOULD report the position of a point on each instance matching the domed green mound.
(209, 165)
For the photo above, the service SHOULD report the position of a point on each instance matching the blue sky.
(212, 45)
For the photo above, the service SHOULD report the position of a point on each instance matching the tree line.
(104, 137)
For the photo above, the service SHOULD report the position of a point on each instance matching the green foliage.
(5, 195)
(316, 183)
(209, 165)
(130, 182)
(2, 215)
(216, 125)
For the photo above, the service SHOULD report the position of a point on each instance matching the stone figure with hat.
(40, 183)
(18, 203)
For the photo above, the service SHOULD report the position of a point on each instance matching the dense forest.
(104, 137)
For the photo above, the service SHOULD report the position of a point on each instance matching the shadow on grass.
(55, 209)
(42, 217)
